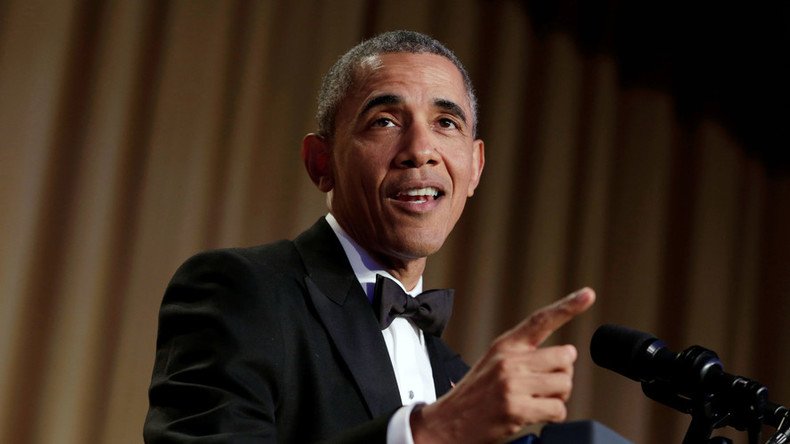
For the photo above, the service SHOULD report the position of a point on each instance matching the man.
(282, 342)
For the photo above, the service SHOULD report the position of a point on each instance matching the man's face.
(403, 157)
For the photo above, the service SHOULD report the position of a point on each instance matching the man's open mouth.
(419, 195)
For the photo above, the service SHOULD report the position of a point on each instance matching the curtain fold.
(136, 133)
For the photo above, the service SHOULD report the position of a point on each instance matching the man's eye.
(447, 123)
(383, 122)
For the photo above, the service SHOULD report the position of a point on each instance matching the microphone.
(681, 380)
(631, 353)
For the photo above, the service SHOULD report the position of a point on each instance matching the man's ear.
(316, 155)
(478, 162)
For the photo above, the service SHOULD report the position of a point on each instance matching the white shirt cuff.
(399, 427)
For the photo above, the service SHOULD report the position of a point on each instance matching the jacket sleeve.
(203, 388)
(211, 383)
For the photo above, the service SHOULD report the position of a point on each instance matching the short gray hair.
(340, 77)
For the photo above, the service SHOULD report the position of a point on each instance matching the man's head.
(341, 77)
(400, 157)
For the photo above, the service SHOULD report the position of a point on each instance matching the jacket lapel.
(348, 317)
(441, 379)
(447, 366)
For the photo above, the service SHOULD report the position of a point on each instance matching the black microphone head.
(623, 350)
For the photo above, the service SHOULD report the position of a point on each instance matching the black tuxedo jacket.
(276, 343)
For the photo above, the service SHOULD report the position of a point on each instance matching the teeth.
(428, 191)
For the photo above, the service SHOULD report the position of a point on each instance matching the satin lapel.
(441, 378)
(348, 317)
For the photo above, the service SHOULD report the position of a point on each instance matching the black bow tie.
(430, 310)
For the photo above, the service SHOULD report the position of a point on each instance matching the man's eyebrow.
(451, 107)
(384, 99)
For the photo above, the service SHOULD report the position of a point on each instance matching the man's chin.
(415, 249)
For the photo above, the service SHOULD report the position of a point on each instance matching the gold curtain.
(135, 133)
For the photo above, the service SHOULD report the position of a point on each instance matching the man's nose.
(418, 148)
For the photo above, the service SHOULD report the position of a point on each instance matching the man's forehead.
(392, 69)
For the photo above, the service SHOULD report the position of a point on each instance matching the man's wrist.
(399, 427)
(421, 430)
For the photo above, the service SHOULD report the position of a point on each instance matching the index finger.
(542, 323)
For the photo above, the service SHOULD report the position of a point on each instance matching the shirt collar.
(365, 267)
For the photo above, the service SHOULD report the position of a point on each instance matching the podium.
(575, 432)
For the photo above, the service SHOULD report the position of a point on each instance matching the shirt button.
(411, 394)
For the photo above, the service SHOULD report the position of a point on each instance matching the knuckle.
(505, 385)
(570, 354)
(561, 412)
(566, 387)
(512, 428)
(556, 411)
(501, 344)
(538, 319)
(511, 414)
(503, 367)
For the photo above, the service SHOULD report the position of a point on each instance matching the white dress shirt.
(405, 342)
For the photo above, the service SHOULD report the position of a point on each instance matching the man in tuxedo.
(328, 337)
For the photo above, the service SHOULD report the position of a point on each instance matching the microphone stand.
(705, 410)
(693, 382)
(782, 435)
(723, 400)
(743, 406)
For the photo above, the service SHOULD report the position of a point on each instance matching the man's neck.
(407, 272)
